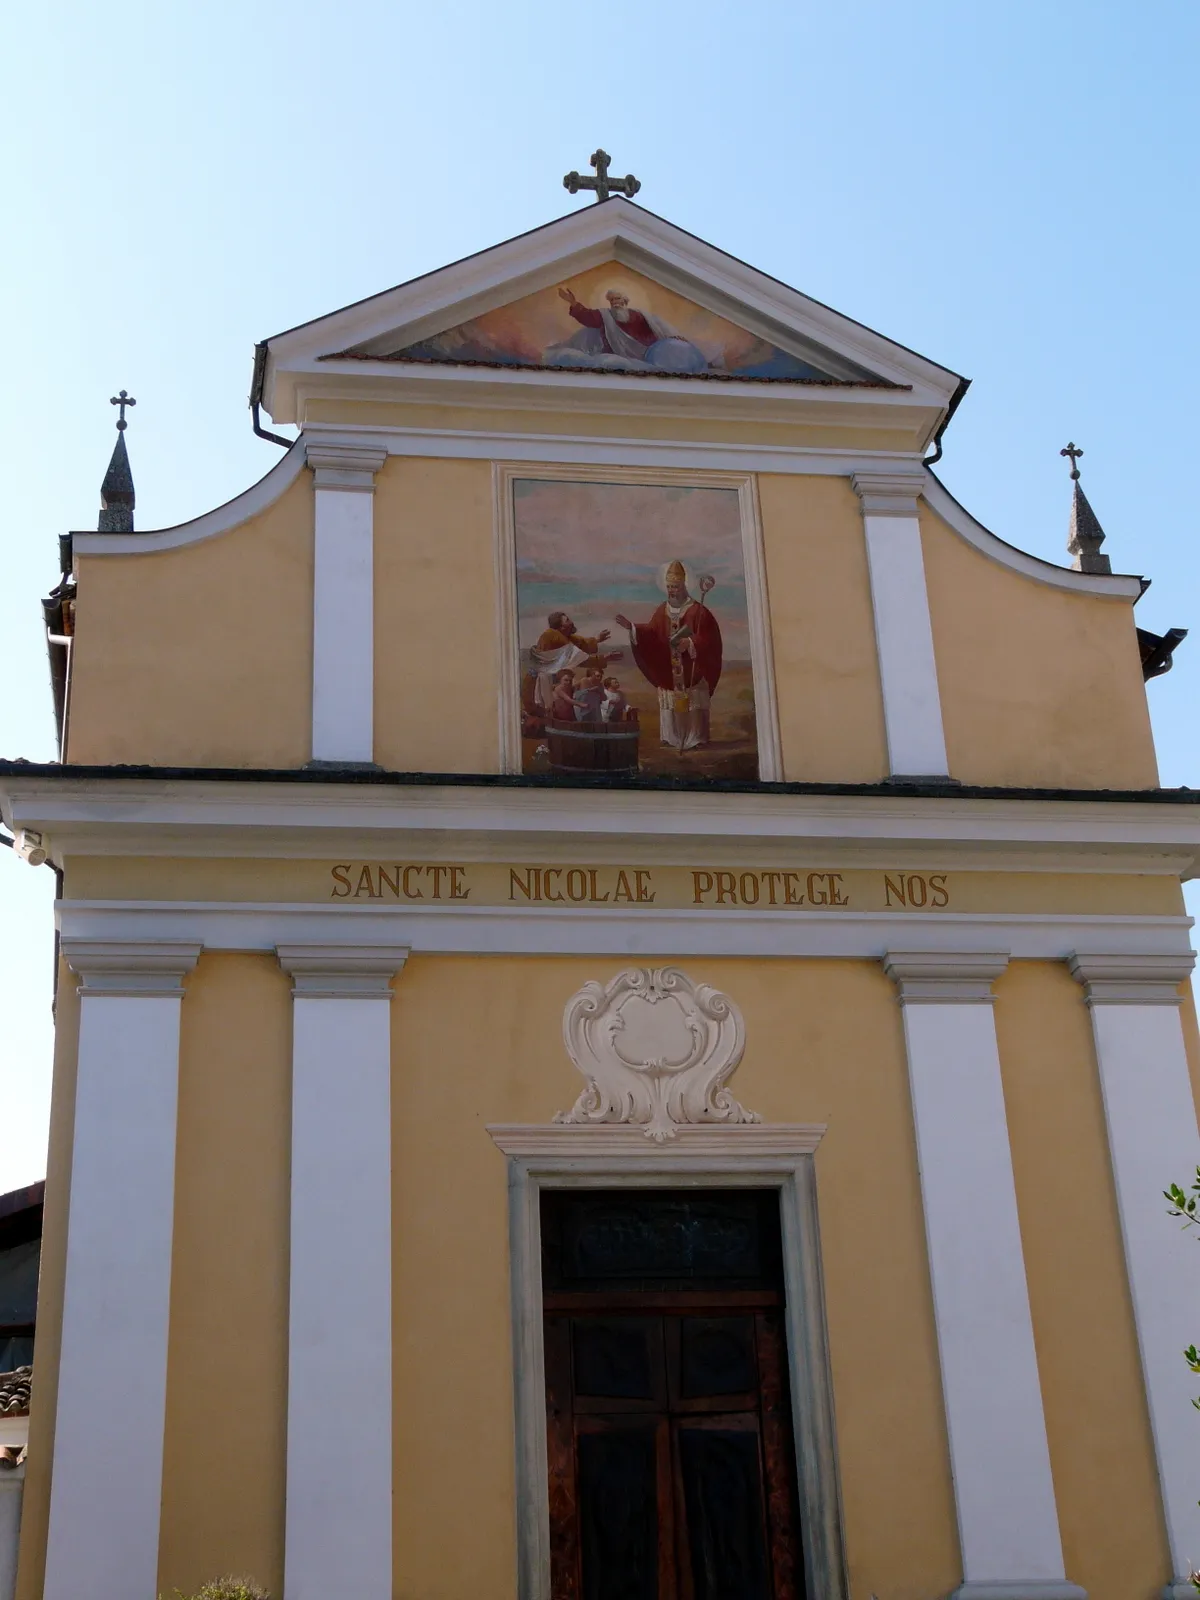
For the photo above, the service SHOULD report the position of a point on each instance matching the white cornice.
(127, 965)
(763, 1141)
(187, 816)
(603, 931)
(936, 977)
(1129, 979)
(342, 971)
(620, 231)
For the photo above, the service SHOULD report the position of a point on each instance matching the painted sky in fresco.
(524, 332)
(594, 549)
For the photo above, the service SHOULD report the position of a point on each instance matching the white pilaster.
(1152, 1135)
(343, 601)
(999, 1456)
(106, 1484)
(912, 707)
(338, 1533)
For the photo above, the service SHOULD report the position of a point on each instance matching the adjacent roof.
(14, 1392)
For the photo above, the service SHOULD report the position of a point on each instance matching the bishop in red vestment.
(679, 652)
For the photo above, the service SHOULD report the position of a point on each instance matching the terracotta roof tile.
(14, 1392)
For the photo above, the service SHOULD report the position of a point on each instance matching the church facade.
(623, 1008)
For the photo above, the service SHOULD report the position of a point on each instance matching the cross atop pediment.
(602, 183)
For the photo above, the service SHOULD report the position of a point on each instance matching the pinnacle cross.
(602, 183)
(123, 399)
(1074, 454)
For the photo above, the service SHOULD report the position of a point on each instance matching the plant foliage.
(227, 1588)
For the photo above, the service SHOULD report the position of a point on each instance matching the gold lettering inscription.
(638, 886)
(912, 891)
(532, 886)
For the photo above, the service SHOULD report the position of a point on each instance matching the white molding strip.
(12, 1492)
(762, 660)
(1153, 1140)
(762, 1156)
(939, 499)
(338, 1525)
(232, 514)
(106, 1483)
(618, 230)
(999, 1453)
(588, 930)
(343, 665)
(912, 706)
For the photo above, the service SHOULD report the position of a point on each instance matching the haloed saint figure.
(657, 571)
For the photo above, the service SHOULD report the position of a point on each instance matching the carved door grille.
(672, 1468)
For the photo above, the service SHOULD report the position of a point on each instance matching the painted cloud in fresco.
(612, 319)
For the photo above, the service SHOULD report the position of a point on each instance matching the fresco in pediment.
(611, 319)
(633, 630)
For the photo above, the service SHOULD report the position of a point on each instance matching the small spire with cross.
(122, 399)
(117, 498)
(602, 183)
(1084, 535)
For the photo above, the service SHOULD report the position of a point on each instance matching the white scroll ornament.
(655, 1048)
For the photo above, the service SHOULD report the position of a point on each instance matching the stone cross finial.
(602, 183)
(123, 399)
(1074, 452)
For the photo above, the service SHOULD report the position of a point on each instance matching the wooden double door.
(671, 1463)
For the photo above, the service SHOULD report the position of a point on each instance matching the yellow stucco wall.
(200, 656)
(1101, 1451)
(826, 672)
(1039, 687)
(226, 1421)
(884, 430)
(490, 883)
(477, 1040)
(436, 668)
(825, 1045)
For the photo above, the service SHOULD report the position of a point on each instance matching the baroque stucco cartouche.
(819, 597)
(202, 655)
(1039, 686)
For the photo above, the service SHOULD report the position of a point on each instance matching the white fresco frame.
(758, 613)
(763, 1156)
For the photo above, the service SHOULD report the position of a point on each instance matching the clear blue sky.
(1010, 189)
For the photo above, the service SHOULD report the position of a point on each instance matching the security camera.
(31, 846)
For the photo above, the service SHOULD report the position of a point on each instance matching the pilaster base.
(1021, 1589)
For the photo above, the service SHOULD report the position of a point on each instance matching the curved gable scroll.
(940, 501)
(257, 498)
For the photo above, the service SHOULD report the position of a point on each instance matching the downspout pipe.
(256, 388)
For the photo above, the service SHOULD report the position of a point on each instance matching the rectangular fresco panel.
(611, 319)
(633, 630)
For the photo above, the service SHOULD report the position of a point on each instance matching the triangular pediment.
(612, 318)
(691, 312)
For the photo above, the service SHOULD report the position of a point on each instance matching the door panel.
(720, 1469)
(619, 1523)
(671, 1463)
